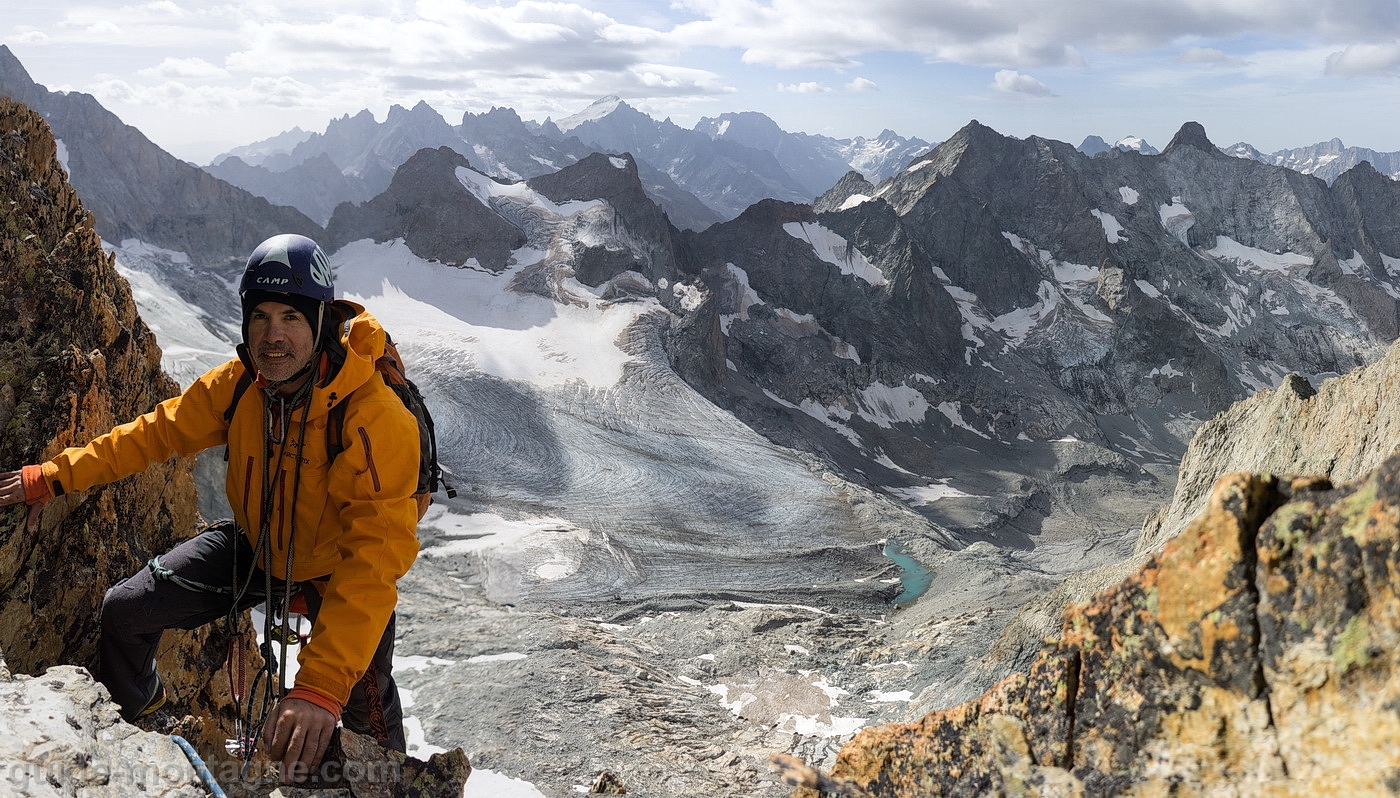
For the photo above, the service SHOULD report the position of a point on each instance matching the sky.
(199, 78)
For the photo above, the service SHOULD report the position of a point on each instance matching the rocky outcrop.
(78, 360)
(1342, 429)
(638, 222)
(134, 189)
(1257, 653)
(70, 740)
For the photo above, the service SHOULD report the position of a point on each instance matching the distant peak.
(1192, 134)
(598, 109)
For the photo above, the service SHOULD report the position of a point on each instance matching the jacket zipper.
(369, 457)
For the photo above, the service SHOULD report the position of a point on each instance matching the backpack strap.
(241, 387)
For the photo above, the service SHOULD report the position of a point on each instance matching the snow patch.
(928, 494)
(836, 250)
(853, 200)
(1128, 195)
(953, 412)
(620, 163)
(1075, 273)
(1166, 371)
(1176, 219)
(1147, 288)
(1112, 230)
(747, 298)
(485, 189)
(884, 405)
(898, 696)
(552, 542)
(1353, 265)
(512, 656)
(691, 296)
(1257, 260)
(1392, 265)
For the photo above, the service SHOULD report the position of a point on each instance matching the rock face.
(67, 381)
(436, 215)
(1256, 654)
(1342, 429)
(134, 189)
(69, 740)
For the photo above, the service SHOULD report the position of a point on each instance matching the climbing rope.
(210, 783)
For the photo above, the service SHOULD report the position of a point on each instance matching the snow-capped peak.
(599, 109)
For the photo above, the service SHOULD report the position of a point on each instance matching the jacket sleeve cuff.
(316, 697)
(36, 490)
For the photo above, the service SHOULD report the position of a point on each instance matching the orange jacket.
(355, 519)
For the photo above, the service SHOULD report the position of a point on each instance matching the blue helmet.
(293, 270)
(289, 264)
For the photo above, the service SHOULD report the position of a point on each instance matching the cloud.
(1012, 33)
(185, 68)
(809, 87)
(1209, 56)
(1365, 59)
(862, 84)
(1009, 81)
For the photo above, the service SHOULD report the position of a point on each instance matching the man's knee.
(124, 605)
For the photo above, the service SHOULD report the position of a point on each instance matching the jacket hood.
(363, 338)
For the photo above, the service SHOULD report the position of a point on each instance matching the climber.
(338, 529)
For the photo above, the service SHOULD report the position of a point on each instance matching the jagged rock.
(88, 364)
(134, 189)
(1255, 654)
(438, 218)
(851, 185)
(650, 249)
(64, 736)
(1343, 428)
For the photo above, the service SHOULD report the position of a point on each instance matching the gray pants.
(136, 611)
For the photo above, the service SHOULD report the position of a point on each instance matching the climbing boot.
(157, 700)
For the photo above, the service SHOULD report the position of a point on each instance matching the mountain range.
(782, 474)
(698, 176)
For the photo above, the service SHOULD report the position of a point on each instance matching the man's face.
(280, 339)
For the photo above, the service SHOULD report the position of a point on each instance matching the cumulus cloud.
(1011, 33)
(1009, 81)
(184, 68)
(862, 84)
(1365, 59)
(809, 87)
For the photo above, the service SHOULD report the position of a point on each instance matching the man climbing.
(339, 527)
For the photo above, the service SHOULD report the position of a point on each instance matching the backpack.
(390, 368)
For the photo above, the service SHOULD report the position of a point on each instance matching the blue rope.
(199, 766)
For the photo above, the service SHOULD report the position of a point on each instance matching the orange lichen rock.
(1256, 654)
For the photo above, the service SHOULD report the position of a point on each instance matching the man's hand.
(12, 492)
(11, 488)
(298, 733)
